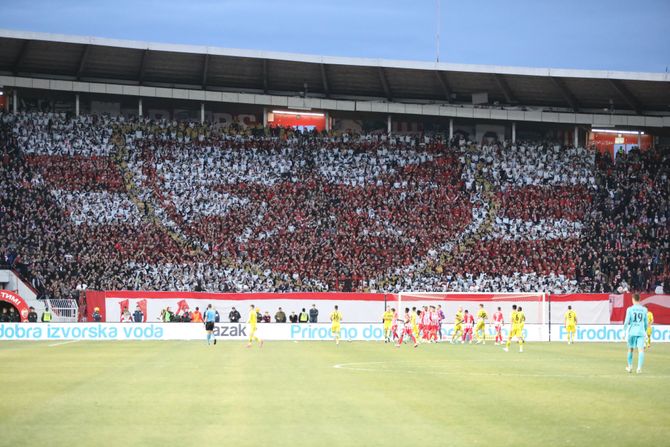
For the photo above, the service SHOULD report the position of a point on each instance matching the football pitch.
(316, 393)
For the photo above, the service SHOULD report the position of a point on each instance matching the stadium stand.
(119, 203)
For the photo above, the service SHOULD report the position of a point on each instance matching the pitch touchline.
(64, 343)
(347, 366)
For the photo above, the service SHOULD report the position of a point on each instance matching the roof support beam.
(82, 61)
(21, 57)
(143, 66)
(205, 69)
(627, 96)
(566, 93)
(507, 92)
(265, 75)
(444, 83)
(324, 79)
(385, 84)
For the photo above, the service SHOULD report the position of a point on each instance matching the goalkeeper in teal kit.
(635, 327)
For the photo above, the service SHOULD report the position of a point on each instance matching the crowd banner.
(591, 308)
(278, 331)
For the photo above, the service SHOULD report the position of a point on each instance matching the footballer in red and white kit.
(423, 324)
(468, 323)
(434, 323)
(407, 330)
(498, 321)
(394, 326)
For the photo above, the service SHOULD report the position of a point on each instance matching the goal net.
(534, 305)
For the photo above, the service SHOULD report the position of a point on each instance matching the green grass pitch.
(317, 393)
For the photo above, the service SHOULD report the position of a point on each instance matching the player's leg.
(640, 354)
(402, 336)
(632, 344)
(414, 339)
(521, 342)
(512, 333)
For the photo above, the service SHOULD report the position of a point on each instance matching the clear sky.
(627, 35)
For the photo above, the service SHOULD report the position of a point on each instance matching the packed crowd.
(162, 205)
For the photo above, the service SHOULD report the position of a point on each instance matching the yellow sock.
(509, 341)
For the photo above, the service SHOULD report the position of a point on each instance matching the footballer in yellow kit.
(415, 326)
(571, 324)
(335, 320)
(518, 319)
(458, 324)
(387, 318)
(480, 327)
(650, 321)
(253, 326)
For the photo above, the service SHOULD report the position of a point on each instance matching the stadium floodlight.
(290, 112)
(623, 132)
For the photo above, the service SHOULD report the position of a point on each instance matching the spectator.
(97, 316)
(32, 315)
(126, 317)
(138, 315)
(293, 318)
(234, 316)
(280, 316)
(303, 317)
(167, 316)
(4, 317)
(313, 314)
(266, 317)
(197, 316)
(46, 315)
(14, 316)
(217, 317)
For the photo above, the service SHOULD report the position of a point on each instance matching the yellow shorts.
(387, 326)
(649, 329)
(516, 331)
(571, 328)
(458, 328)
(335, 329)
(479, 327)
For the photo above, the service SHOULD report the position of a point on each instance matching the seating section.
(161, 205)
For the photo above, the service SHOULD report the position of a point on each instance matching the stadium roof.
(65, 57)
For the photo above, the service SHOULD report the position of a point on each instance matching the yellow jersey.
(412, 318)
(650, 318)
(253, 317)
(387, 317)
(459, 318)
(520, 319)
(513, 318)
(570, 318)
(336, 317)
(482, 315)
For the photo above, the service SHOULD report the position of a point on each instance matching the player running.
(518, 320)
(458, 325)
(468, 323)
(480, 328)
(498, 321)
(415, 327)
(571, 324)
(407, 330)
(210, 318)
(336, 319)
(387, 319)
(253, 322)
(635, 328)
(650, 321)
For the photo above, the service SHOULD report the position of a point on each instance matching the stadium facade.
(96, 75)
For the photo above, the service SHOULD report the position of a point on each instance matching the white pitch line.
(348, 366)
(64, 343)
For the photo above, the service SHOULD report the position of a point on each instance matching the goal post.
(534, 305)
